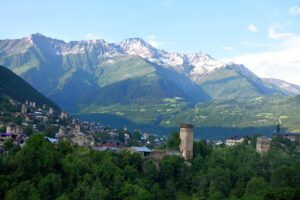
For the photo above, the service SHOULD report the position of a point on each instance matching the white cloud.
(151, 37)
(274, 35)
(255, 44)
(295, 10)
(252, 28)
(156, 44)
(227, 48)
(92, 36)
(283, 63)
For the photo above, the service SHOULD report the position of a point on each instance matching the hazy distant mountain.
(291, 88)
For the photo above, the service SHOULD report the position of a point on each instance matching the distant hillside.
(289, 87)
(18, 89)
(150, 89)
(214, 119)
(235, 81)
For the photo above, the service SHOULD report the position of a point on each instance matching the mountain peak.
(36, 36)
(135, 43)
(138, 46)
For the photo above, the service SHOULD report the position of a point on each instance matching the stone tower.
(24, 108)
(14, 129)
(186, 140)
(63, 115)
(77, 128)
(262, 144)
(51, 112)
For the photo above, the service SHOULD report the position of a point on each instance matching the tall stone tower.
(187, 139)
(24, 108)
(262, 144)
(51, 112)
(63, 115)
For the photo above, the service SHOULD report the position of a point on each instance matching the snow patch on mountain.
(194, 64)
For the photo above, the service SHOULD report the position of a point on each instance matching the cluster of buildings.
(186, 146)
(13, 132)
(262, 142)
(29, 112)
(84, 133)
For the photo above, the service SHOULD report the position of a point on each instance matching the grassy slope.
(139, 91)
(233, 82)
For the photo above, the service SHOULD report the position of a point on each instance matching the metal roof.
(5, 133)
(52, 140)
(106, 148)
(142, 149)
(11, 134)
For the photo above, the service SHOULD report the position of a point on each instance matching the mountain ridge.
(131, 46)
(136, 81)
(292, 88)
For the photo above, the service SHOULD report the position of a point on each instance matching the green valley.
(214, 119)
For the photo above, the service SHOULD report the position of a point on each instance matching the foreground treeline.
(41, 170)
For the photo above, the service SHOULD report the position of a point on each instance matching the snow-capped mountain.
(66, 71)
(292, 88)
(194, 64)
(200, 63)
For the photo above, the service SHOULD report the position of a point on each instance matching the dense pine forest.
(42, 170)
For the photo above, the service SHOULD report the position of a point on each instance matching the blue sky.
(251, 32)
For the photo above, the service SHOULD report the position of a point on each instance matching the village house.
(236, 140)
(17, 139)
(92, 124)
(294, 137)
(146, 135)
(143, 151)
(63, 131)
(111, 142)
(14, 129)
(82, 140)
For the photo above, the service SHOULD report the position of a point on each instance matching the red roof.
(108, 144)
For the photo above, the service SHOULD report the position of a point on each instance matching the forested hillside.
(41, 170)
(13, 86)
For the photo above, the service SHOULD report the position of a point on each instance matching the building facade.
(294, 137)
